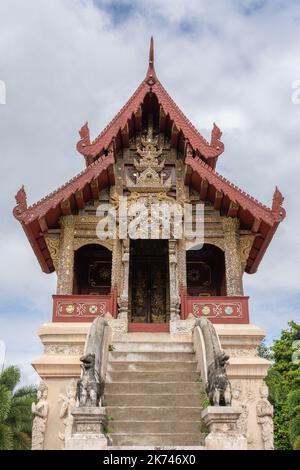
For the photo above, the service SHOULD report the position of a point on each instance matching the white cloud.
(65, 62)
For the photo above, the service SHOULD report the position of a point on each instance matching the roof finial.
(277, 205)
(151, 53)
(151, 77)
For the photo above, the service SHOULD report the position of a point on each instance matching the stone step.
(151, 346)
(151, 413)
(154, 356)
(163, 388)
(152, 376)
(152, 399)
(160, 440)
(142, 366)
(154, 427)
(142, 337)
(157, 447)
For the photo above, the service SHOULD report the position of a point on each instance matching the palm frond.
(29, 391)
(5, 402)
(21, 441)
(6, 437)
(10, 377)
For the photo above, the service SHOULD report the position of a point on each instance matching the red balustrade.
(83, 308)
(216, 309)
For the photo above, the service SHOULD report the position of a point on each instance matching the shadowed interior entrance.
(149, 281)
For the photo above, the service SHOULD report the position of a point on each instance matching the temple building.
(151, 290)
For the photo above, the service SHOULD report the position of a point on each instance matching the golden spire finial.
(151, 77)
(151, 52)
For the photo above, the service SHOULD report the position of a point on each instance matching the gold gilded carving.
(52, 243)
(181, 255)
(149, 175)
(174, 287)
(246, 243)
(124, 289)
(232, 257)
(116, 264)
(66, 256)
(80, 242)
(219, 242)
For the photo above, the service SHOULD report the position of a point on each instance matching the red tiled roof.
(150, 83)
(42, 207)
(235, 194)
(49, 207)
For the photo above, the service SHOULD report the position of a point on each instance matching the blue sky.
(68, 61)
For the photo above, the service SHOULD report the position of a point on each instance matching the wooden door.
(148, 279)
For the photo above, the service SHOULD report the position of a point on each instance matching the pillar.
(234, 283)
(124, 294)
(116, 264)
(174, 282)
(65, 271)
(181, 255)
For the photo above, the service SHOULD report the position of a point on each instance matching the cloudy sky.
(63, 62)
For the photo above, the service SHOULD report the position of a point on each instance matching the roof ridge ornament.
(85, 141)
(21, 200)
(277, 205)
(151, 77)
(216, 135)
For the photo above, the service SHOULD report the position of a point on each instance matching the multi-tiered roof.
(200, 158)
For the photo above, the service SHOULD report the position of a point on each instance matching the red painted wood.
(149, 327)
(213, 308)
(83, 308)
(101, 166)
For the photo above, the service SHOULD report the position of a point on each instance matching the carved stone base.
(182, 327)
(87, 432)
(119, 325)
(222, 425)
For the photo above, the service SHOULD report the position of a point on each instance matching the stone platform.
(153, 388)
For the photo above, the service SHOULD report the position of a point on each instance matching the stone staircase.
(153, 393)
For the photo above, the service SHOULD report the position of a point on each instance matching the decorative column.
(181, 255)
(174, 284)
(116, 265)
(234, 284)
(124, 286)
(65, 271)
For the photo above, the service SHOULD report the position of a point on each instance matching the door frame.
(149, 326)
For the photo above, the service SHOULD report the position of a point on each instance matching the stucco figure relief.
(40, 415)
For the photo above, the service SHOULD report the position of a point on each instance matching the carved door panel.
(158, 292)
(139, 297)
(148, 298)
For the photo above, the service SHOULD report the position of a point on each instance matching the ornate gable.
(150, 146)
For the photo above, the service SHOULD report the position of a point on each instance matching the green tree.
(15, 411)
(264, 351)
(283, 381)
